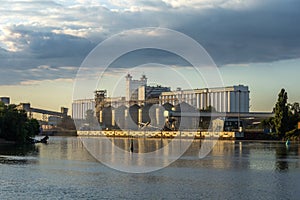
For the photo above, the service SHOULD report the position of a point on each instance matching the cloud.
(140, 57)
(263, 34)
(11, 76)
(40, 82)
(61, 33)
(29, 46)
(41, 42)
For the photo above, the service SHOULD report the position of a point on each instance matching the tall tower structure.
(132, 87)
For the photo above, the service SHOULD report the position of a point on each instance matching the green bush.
(15, 125)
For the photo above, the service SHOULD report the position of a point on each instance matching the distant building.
(151, 92)
(223, 99)
(144, 104)
(132, 87)
(116, 101)
(54, 120)
(5, 100)
(79, 108)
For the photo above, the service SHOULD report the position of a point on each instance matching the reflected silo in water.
(132, 117)
(119, 117)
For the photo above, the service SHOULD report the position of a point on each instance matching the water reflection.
(136, 155)
(19, 150)
(287, 157)
(18, 154)
(281, 158)
(232, 170)
(239, 155)
(138, 145)
(64, 148)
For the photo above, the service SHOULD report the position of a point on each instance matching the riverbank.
(59, 133)
(186, 134)
(3, 141)
(164, 134)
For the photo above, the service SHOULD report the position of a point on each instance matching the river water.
(64, 169)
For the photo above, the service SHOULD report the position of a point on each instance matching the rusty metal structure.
(100, 101)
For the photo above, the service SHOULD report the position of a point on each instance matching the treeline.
(287, 116)
(15, 125)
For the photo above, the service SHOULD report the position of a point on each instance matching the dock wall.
(163, 134)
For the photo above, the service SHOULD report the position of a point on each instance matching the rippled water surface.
(64, 169)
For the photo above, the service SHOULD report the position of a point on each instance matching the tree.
(295, 108)
(281, 118)
(287, 116)
(32, 127)
(267, 123)
(15, 125)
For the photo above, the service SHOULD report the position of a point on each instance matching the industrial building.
(5, 100)
(145, 104)
(223, 99)
(79, 108)
(150, 93)
(132, 87)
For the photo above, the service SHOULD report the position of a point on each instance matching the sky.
(43, 45)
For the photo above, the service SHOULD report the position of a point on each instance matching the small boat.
(44, 140)
(34, 141)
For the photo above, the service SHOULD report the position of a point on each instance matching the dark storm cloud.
(41, 48)
(144, 56)
(266, 32)
(263, 32)
(44, 48)
(51, 45)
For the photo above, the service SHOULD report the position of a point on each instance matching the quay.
(165, 134)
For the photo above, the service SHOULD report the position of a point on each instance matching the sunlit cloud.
(46, 81)
(39, 37)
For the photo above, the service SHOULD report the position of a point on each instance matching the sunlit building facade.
(132, 87)
(223, 99)
(79, 108)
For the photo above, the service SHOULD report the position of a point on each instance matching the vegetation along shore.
(15, 126)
